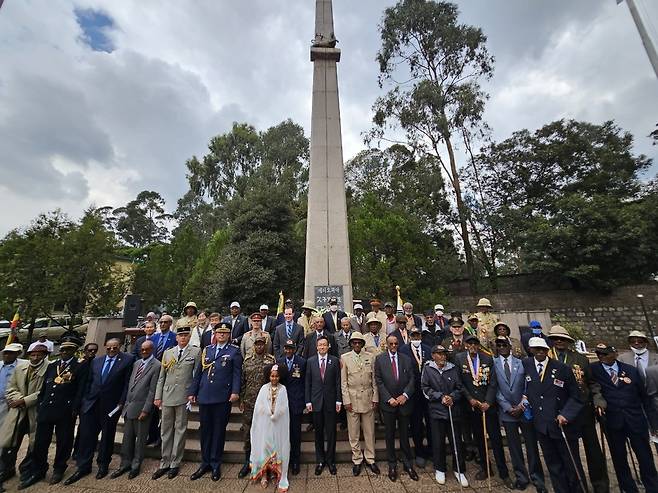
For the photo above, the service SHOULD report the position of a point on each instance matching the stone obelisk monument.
(328, 271)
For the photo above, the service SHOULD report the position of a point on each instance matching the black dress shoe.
(392, 474)
(373, 467)
(133, 473)
(56, 477)
(332, 469)
(481, 475)
(295, 469)
(34, 479)
(246, 469)
(216, 475)
(411, 472)
(541, 489)
(356, 469)
(518, 485)
(7, 474)
(76, 476)
(319, 468)
(173, 472)
(119, 472)
(102, 472)
(199, 472)
(508, 482)
(160, 472)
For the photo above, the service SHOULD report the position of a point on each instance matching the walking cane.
(454, 446)
(486, 449)
(629, 451)
(573, 461)
(602, 440)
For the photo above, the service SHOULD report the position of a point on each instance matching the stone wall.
(604, 317)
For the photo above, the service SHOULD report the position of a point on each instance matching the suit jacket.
(557, 394)
(329, 320)
(627, 402)
(113, 391)
(176, 376)
(295, 382)
(510, 391)
(359, 327)
(141, 393)
(629, 359)
(488, 385)
(311, 344)
(433, 335)
(342, 342)
(401, 342)
(280, 338)
(389, 388)
(269, 325)
(239, 329)
(652, 387)
(357, 381)
(220, 378)
(58, 401)
(426, 355)
(323, 394)
(169, 342)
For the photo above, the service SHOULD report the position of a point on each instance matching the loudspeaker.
(132, 306)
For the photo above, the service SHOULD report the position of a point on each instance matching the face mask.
(439, 313)
(536, 331)
(333, 308)
(638, 352)
(416, 343)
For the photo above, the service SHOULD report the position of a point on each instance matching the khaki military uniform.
(486, 324)
(359, 389)
(381, 316)
(247, 344)
(305, 322)
(251, 380)
(186, 321)
(371, 346)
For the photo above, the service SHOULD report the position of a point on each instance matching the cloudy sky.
(100, 99)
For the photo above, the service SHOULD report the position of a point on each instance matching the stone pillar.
(327, 244)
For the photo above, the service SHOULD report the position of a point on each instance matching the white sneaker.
(440, 477)
(462, 479)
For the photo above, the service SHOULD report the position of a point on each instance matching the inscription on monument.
(324, 293)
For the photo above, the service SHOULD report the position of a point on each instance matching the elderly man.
(57, 407)
(402, 332)
(188, 319)
(268, 324)
(342, 337)
(306, 318)
(149, 331)
(454, 342)
(413, 320)
(22, 395)
(319, 331)
(433, 334)
(376, 311)
(374, 340)
(440, 318)
(256, 332)
(640, 356)
(295, 382)
(7, 366)
(358, 320)
(238, 322)
(389, 324)
(165, 338)
(360, 398)
(486, 319)
(333, 316)
(535, 331)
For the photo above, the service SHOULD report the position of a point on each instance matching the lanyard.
(553, 354)
(474, 371)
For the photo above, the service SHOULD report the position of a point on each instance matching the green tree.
(142, 221)
(441, 105)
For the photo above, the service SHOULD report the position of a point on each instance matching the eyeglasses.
(393, 344)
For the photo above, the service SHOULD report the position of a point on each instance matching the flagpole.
(644, 34)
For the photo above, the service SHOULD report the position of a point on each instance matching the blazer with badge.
(175, 376)
(627, 403)
(388, 387)
(323, 394)
(295, 383)
(111, 392)
(61, 392)
(141, 393)
(221, 370)
(483, 386)
(557, 394)
(510, 391)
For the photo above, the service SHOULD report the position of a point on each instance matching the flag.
(400, 302)
(17, 317)
(279, 308)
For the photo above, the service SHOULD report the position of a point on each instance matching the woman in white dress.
(270, 433)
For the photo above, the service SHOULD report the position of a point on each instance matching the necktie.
(161, 343)
(639, 366)
(540, 367)
(561, 357)
(322, 368)
(180, 354)
(508, 372)
(106, 369)
(613, 376)
(376, 338)
(289, 361)
(289, 330)
(140, 371)
(395, 367)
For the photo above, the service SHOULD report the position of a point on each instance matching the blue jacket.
(295, 382)
(221, 376)
(111, 392)
(510, 392)
(170, 342)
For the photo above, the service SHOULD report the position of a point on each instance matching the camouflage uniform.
(253, 378)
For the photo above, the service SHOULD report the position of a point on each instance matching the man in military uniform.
(57, 406)
(454, 342)
(376, 312)
(360, 398)
(253, 378)
(295, 382)
(180, 365)
(249, 338)
(486, 322)
(215, 389)
(590, 394)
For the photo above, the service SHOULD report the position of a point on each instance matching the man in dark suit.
(419, 354)
(433, 334)
(268, 321)
(626, 412)
(295, 382)
(215, 389)
(165, 339)
(394, 375)
(238, 322)
(555, 401)
(324, 399)
(149, 331)
(333, 316)
(479, 386)
(413, 320)
(57, 406)
(402, 330)
(311, 342)
(289, 330)
(100, 409)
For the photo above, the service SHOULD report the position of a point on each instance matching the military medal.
(58, 379)
(625, 380)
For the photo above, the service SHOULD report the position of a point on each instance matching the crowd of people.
(445, 384)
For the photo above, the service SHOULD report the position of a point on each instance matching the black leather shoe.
(520, 486)
(541, 489)
(411, 472)
(332, 469)
(246, 469)
(160, 472)
(481, 475)
(30, 481)
(356, 469)
(319, 468)
(119, 472)
(102, 472)
(295, 469)
(508, 482)
(173, 472)
(7, 474)
(373, 467)
(216, 474)
(133, 473)
(56, 477)
(199, 472)
(76, 476)
(392, 474)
